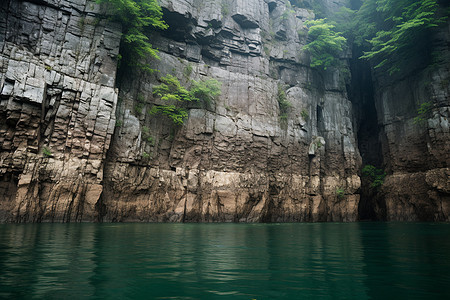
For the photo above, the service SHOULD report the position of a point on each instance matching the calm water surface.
(225, 261)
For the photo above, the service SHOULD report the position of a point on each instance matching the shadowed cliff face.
(65, 157)
(409, 142)
(415, 144)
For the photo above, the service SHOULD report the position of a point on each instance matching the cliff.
(73, 147)
(58, 105)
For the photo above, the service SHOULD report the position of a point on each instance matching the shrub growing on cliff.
(172, 91)
(205, 91)
(375, 175)
(340, 193)
(283, 103)
(326, 44)
(135, 16)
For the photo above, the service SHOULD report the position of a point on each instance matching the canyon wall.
(77, 142)
(239, 159)
(413, 114)
(57, 107)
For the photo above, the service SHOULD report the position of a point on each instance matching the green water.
(225, 261)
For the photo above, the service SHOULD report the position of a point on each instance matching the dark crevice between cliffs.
(361, 94)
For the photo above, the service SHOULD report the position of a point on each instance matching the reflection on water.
(224, 261)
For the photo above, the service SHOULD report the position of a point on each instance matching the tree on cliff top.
(136, 16)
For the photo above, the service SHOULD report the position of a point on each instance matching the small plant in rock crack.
(187, 71)
(138, 108)
(340, 193)
(422, 112)
(283, 103)
(304, 114)
(46, 152)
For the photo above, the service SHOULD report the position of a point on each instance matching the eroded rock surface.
(416, 147)
(238, 159)
(57, 106)
(65, 157)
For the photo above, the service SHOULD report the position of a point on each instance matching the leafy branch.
(136, 16)
(395, 31)
(172, 91)
(326, 45)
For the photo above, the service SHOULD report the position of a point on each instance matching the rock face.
(415, 142)
(57, 106)
(404, 118)
(65, 157)
(240, 159)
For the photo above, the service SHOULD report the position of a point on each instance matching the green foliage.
(140, 98)
(343, 19)
(283, 103)
(119, 123)
(81, 23)
(138, 108)
(375, 175)
(187, 71)
(422, 112)
(146, 135)
(288, 12)
(172, 91)
(395, 32)
(205, 91)
(150, 140)
(46, 152)
(304, 114)
(301, 33)
(176, 114)
(225, 8)
(145, 155)
(326, 45)
(135, 16)
(340, 193)
(319, 144)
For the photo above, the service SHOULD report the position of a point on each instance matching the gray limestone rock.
(244, 157)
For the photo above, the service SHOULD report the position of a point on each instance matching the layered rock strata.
(57, 107)
(240, 158)
(64, 157)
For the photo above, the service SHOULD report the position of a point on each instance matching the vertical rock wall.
(64, 157)
(237, 159)
(416, 146)
(57, 108)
